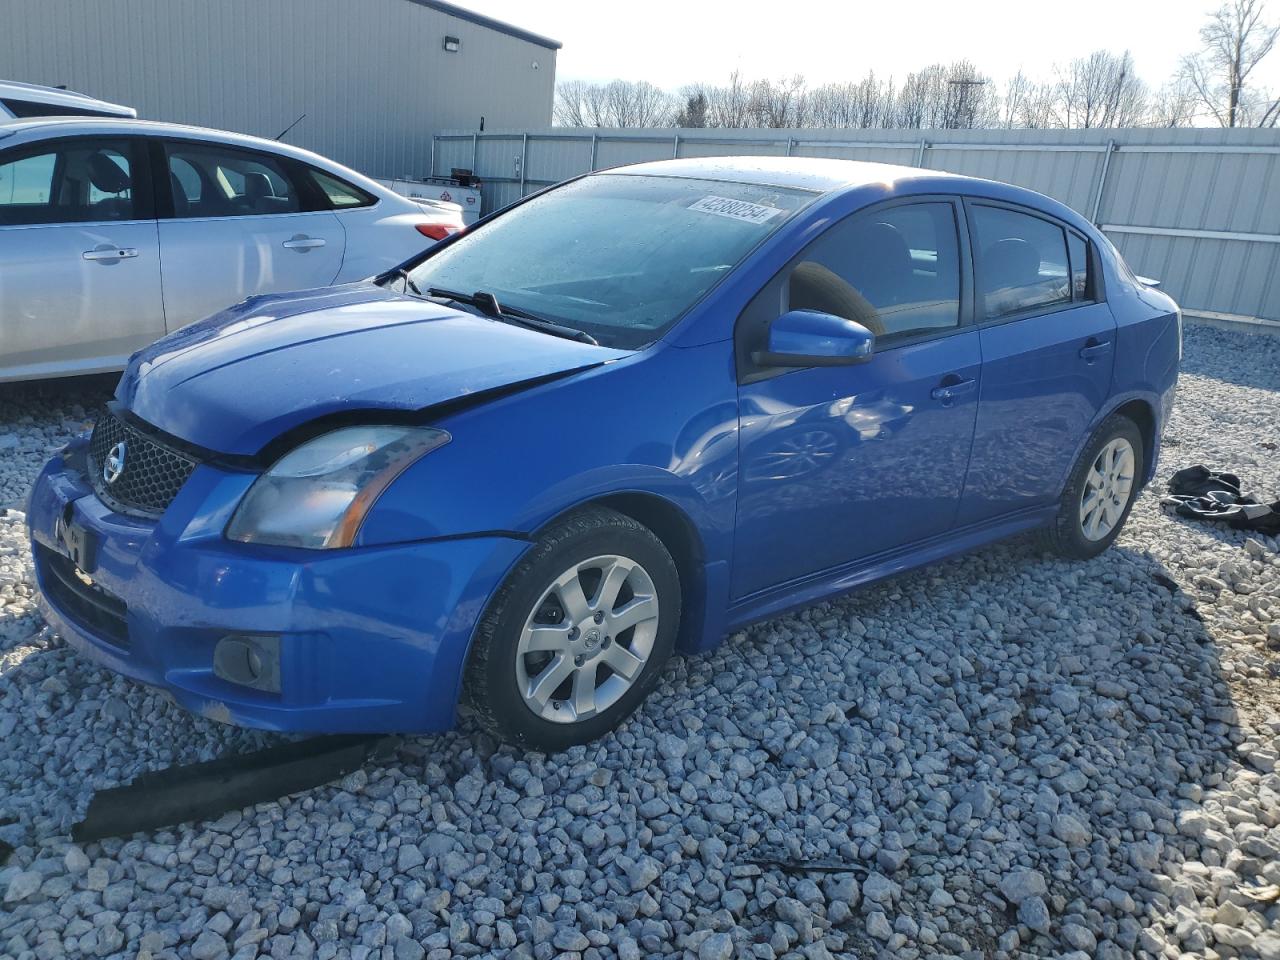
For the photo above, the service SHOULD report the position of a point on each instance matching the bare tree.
(917, 102)
(873, 102)
(1018, 91)
(1173, 105)
(1234, 41)
(1267, 109)
(946, 96)
(638, 104)
(1026, 104)
(582, 104)
(619, 103)
(730, 105)
(779, 103)
(1100, 90)
(833, 105)
(570, 107)
(862, 105)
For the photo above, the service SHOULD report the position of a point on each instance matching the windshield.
(620, 257)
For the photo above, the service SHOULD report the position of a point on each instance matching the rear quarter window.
(340, 194)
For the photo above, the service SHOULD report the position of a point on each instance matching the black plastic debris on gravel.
(205, 791)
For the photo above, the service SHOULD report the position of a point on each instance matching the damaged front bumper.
(369, 639)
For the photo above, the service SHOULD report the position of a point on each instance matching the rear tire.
(577, 635)
(1100, 492)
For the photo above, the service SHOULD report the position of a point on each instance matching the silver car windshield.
(618, 256)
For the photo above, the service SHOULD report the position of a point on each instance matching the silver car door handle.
(110, 253)
(301, 242)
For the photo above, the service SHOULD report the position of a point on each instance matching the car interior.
(1022, 263)
(207, 183)
(874, 276)
(1016, 278)
(77, 183)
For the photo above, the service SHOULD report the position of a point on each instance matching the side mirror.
(811, 338)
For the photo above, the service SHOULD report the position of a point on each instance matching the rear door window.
(1021, 262)
(210, 180)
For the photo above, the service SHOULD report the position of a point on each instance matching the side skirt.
(837, 580)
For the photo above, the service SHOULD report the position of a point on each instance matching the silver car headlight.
(318, 494)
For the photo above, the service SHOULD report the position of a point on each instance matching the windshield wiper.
(488, 304)
(402, 274)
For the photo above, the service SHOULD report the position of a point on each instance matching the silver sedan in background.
(114, 232)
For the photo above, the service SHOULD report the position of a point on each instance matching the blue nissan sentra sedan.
(617, 419)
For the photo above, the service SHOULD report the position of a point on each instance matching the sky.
(674, 42)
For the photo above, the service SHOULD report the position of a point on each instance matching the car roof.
(118, 126)
(805, 173)
(37, 128)
(828, 176)
(60, 97)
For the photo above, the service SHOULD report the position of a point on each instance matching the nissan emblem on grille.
(156, 471)
(114, 465)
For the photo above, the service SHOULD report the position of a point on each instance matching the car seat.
(107, 177)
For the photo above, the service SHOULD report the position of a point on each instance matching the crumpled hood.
(236, 381)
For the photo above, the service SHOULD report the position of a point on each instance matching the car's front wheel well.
(676, 531)
(1140, 412)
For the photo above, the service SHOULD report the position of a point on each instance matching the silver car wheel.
(1106, 489)
(587, 639)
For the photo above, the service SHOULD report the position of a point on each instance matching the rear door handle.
(1093, 349)
(947, 392)
(303, 243)
(110, 253)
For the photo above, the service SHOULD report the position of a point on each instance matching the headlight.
(317, 495)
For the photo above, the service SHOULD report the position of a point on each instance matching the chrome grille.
(152, 474)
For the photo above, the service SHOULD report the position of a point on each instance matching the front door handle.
(952, 387)
(110, 253)
(303, 243)
(1094, 348)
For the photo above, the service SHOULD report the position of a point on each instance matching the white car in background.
(114, 232)
(18, 100)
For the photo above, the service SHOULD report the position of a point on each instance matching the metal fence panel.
(546, 158)
(1198, 209)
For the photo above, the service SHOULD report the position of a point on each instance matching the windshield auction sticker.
(735, 209)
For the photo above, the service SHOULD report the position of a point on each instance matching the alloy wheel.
(587, 639)
(1106, 489)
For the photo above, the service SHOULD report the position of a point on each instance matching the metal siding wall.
(905, 155)
(1151, 181)
(370, 74)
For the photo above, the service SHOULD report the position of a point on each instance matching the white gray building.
(375, 78)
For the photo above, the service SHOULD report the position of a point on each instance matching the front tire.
(1100, 492)
(577, 635)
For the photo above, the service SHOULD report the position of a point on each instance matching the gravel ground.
(1006, 755)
